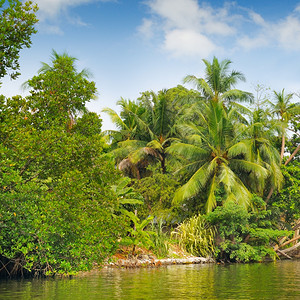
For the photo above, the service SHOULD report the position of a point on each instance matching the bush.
(196, 236)
(64, 229)
(242, 235)
(158, 191)
(288, 199)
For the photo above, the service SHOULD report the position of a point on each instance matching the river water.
(275, 280)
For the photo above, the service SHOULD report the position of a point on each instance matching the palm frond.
(115, 118)
(187, 151)
(234, 187)
(211, 202)
(242, 147)
(154, 144)
(194, 185)
(238, 95)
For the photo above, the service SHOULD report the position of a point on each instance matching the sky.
(132, 46)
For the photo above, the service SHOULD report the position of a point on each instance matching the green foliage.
(59, 92)
(161, 239)
(126, 195)
(16, 27)
(137, 235)
(64, 229)
(288, 199)
(146, 129)
(128, 200)
(158, 191)
(214, 155)
(89, 125)
(243, 235)
(196, 236)
(57, 205)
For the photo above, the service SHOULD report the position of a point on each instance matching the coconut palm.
(126, 138)
(126, 126)
(285, 111)
(215, 158)
(151, 128)
(219, 82)
(258, 134)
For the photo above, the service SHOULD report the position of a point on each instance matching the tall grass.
(160, 239)
(196, 236)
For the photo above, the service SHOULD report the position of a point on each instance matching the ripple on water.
(279, 280)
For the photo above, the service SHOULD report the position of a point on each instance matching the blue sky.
(131, 46)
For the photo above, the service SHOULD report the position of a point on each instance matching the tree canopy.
(17, 22)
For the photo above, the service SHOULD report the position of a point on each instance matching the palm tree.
(153, 128)
(218, 83)
(216, 158)
(158, 124)
(285, 111)
(126, 126)
(258, 134)
(126, 139)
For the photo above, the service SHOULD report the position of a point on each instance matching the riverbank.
(145, 258)
(148, 261)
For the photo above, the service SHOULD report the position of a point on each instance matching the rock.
(146, 261)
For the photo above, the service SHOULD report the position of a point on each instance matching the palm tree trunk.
(138, 175)
(281, 156)
(163, 164)
(292, 155)
(282, 148)
(270, 194)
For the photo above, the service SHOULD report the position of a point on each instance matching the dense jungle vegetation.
(212, 168)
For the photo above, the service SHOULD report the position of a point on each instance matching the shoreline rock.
(154, 262)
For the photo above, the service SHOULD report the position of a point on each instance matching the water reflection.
(279, 280)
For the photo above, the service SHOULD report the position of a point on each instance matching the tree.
(59, 92)
(157, 123)
(16, 28)
(286, 113)
(146, 129)
(285, 110)
(215, 160)
(259, 133)
(245, 236)
(126, 139)
(218, 83)
(125, 122)
(288, 198)
(56, 202)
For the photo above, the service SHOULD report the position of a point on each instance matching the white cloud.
(50, 29)
(146, 29)
(285, 33)
(257, 19)
(297, 9)
(288, 33)
(181, 42)
(51, 8)
(188, 28)
(50, 12)
(176, 13)
(185, 14)
(208, 28)
(253, 43)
